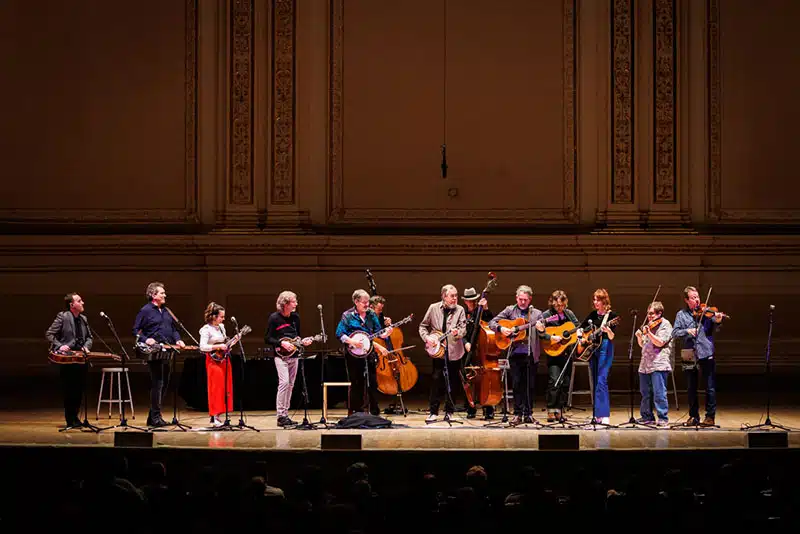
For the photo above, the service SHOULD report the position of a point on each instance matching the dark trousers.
(73, 384)
(363, 395)
(709, 368)
(439, 387)
(523, 376)
(159, 381)
(557, 396)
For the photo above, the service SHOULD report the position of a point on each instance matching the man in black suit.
(70, 331)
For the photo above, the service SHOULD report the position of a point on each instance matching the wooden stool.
(572, 391)
(325, 395)
(111, 400)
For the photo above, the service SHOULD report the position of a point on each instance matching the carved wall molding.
(622, 104)
(714, 115)
(283, 104)
(338, 212)
(241, 102)
(664, 17)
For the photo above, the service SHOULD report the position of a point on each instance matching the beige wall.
(233, 149)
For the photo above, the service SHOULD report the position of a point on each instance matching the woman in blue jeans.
(603, 356)
(654, 339)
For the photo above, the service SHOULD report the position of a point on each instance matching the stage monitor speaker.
(344, 442)
(559, 442)
(133, 439)
(771, 440)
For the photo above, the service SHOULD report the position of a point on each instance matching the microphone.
(319, 307)
(444, 161)
(771, 307)
(633, 311)
(104, 316)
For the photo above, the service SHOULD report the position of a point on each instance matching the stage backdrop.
(234, 149)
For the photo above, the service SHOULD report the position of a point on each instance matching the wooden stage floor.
(40, 427)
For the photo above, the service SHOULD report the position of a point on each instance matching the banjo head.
(365, 345)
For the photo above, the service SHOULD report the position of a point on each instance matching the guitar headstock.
(245, 330)
(404, 320)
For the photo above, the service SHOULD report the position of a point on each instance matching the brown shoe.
(551, 417)
(709, 421)
(693, 421)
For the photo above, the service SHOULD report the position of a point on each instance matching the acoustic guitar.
(590, 341)
(80, 357)
(568, 338)
(519, 331)
(219, 355)
(297, 345)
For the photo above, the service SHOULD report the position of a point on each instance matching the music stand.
(123, 422)
(174, 356)
(305, 424)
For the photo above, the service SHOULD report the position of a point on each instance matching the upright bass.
(395, 373)
(481, 375)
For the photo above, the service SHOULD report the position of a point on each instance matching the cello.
(482, 378)
(395, 373)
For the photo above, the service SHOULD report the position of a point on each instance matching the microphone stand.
(767, 372)
(241, 425)
(123, 422)
(306, 424)
(323, 355)
(175, 421)
(562, 420)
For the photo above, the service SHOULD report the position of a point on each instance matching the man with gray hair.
(445, 316)
(523, 356)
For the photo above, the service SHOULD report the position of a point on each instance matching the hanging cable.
(444, 95)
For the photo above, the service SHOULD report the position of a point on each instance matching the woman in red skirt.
(219, 373)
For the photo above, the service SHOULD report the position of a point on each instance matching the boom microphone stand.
(632, 422)
(767, 372)
(174, 357)
(123, 423)
(562, 421)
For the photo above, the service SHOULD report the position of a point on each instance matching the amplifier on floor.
(559, 442)
(346, 442)
(758, 440)
(133, 439)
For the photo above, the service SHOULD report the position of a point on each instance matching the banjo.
(364, 346)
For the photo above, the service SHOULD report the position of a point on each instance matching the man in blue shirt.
(154, 324)
(697, 334)
(360, 318)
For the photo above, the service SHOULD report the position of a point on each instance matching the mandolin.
(590, 341)
(297, 344)
(219, 355)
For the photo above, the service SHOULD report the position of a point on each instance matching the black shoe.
(517, 420)
(471, 414)
(529, 420)
(285, 421)
(693, 421)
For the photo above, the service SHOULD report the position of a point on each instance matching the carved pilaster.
(714, 114)
(283, 108)
(622, 110)
(241, 102)
(665, 122)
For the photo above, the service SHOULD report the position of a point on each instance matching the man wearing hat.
(471, 304)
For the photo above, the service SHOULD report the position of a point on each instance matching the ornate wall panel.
(116, 142)
(241, 102)
(461, 208)
(283, 106)
(753, 111)
(665, 48)
(622, 108)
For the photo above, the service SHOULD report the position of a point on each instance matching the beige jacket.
(457, 319)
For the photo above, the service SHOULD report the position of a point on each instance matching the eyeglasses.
(651, 313)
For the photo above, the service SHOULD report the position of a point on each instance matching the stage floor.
(41, 427)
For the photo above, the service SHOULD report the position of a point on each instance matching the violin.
(708, 311)
(652, 325)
